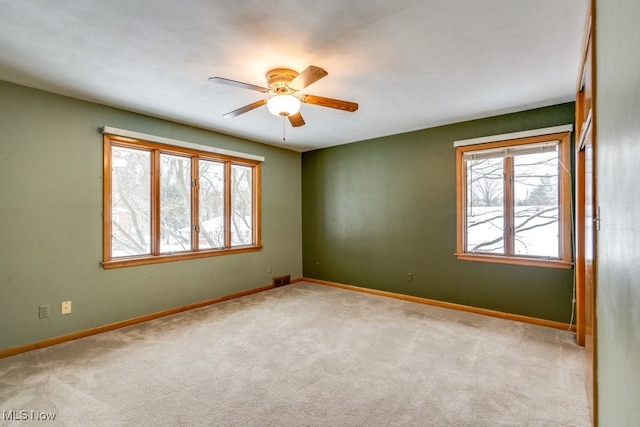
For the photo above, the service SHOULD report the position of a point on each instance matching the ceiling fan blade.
(296, 120)
(246, 108)
(310, 75)
(235, 83)
(329, 102)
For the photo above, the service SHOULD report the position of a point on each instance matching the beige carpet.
(305, 355)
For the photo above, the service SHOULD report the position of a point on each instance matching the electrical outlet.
(66, 307)
(409, 277)
(44, 311)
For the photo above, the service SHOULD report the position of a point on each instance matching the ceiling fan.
(285, 84)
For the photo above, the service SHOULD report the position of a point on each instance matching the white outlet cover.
(66, 307)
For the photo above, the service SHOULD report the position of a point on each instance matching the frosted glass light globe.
(283, 105)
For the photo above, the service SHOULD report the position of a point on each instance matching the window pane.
(130, 202)
(211, 199)
(241, 205)
(175, 203)
(536, 211)
(485, 209)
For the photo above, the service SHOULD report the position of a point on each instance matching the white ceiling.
(409, 64)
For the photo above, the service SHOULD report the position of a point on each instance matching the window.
(514, 201)
(166, 203)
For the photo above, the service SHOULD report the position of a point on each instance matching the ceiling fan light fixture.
(284, 86)
(283, 105)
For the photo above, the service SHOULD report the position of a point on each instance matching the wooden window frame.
(195, 155)
(564, 261)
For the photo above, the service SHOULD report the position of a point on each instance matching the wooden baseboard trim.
(454, 306)
(124, 323)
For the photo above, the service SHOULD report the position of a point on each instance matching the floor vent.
(281, 280)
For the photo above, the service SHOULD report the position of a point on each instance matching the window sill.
(532, 262)
(151, 259)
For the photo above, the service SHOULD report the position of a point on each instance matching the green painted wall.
(617, 148)
(377, 210)
(51, 221)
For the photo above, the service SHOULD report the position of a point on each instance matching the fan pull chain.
(284, 127)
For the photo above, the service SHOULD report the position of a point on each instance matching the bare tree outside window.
(537, 210)
(130, 202)
(534, 186)
(211, 204)
(175, 203)
(535, 194)
(242, 206)
(485, 206)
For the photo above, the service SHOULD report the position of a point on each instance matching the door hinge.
(596, 218)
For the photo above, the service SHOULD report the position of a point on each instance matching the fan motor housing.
(278, 79)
